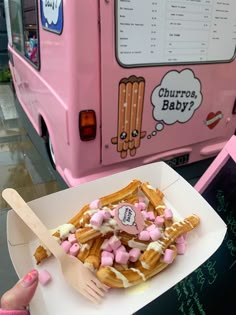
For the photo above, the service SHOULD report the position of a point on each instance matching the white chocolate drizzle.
(135, 244)
(89, 266)
(104, 228)
(145, 265)
(84, 246)
(65, 229)
(91, 211)
(121, 277)
(139, 272)
(156, 246)
(46, 249)
(150, 187)
(160, 207)
(113, 223)
(189, 223)
(105, 208)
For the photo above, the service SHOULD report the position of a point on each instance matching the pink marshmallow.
(151, 227)
(180, 240)
(159, 220)
(44, 277)
(106, 246)
(106, 261)
(155, 234)
(114, 242)
(95, 204)
(145, 215)
(181, 247)
(107, 254)
(150, 216)
(168, 214)
(106, 214)
(142, 205)
(66, 245)
(134, 254)
(122, 257)
(74, 249)
(144, 236)
(121, 249)
(168, 256)
(72, 238)
(97, 219)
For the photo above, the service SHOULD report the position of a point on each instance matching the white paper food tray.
(58, 208)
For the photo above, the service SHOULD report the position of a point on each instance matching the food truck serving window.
(17, 25)
(175, 31)
(24, 25)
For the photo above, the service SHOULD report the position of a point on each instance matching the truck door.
(167, 76)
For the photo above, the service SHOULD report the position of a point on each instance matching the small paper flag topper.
(129, 218)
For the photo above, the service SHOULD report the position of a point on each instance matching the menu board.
(175, 31)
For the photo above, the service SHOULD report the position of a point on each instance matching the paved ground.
(22, 168)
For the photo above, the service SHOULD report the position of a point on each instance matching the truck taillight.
(87, 125)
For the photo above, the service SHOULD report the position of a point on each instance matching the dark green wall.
(3, 38)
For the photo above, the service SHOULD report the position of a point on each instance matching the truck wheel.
(50, 150)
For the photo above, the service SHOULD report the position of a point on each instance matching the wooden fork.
(75, 273)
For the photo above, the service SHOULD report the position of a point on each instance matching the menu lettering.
(175, 31)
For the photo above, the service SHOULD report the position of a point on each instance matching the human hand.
(19, 297)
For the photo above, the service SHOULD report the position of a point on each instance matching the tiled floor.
(22, 168)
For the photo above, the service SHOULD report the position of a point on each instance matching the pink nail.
(30, 278)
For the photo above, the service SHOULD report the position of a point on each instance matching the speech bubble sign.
(51, 10)
(176, 98)
(129, 218)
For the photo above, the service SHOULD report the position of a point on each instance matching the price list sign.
(174, 31)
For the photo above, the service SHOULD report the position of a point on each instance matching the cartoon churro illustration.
(130, 110)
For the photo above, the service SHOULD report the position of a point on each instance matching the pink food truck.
(115, 84)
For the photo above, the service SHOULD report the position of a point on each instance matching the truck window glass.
(8, 22)
(30, 27)
(16, 25)
(24, 27)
